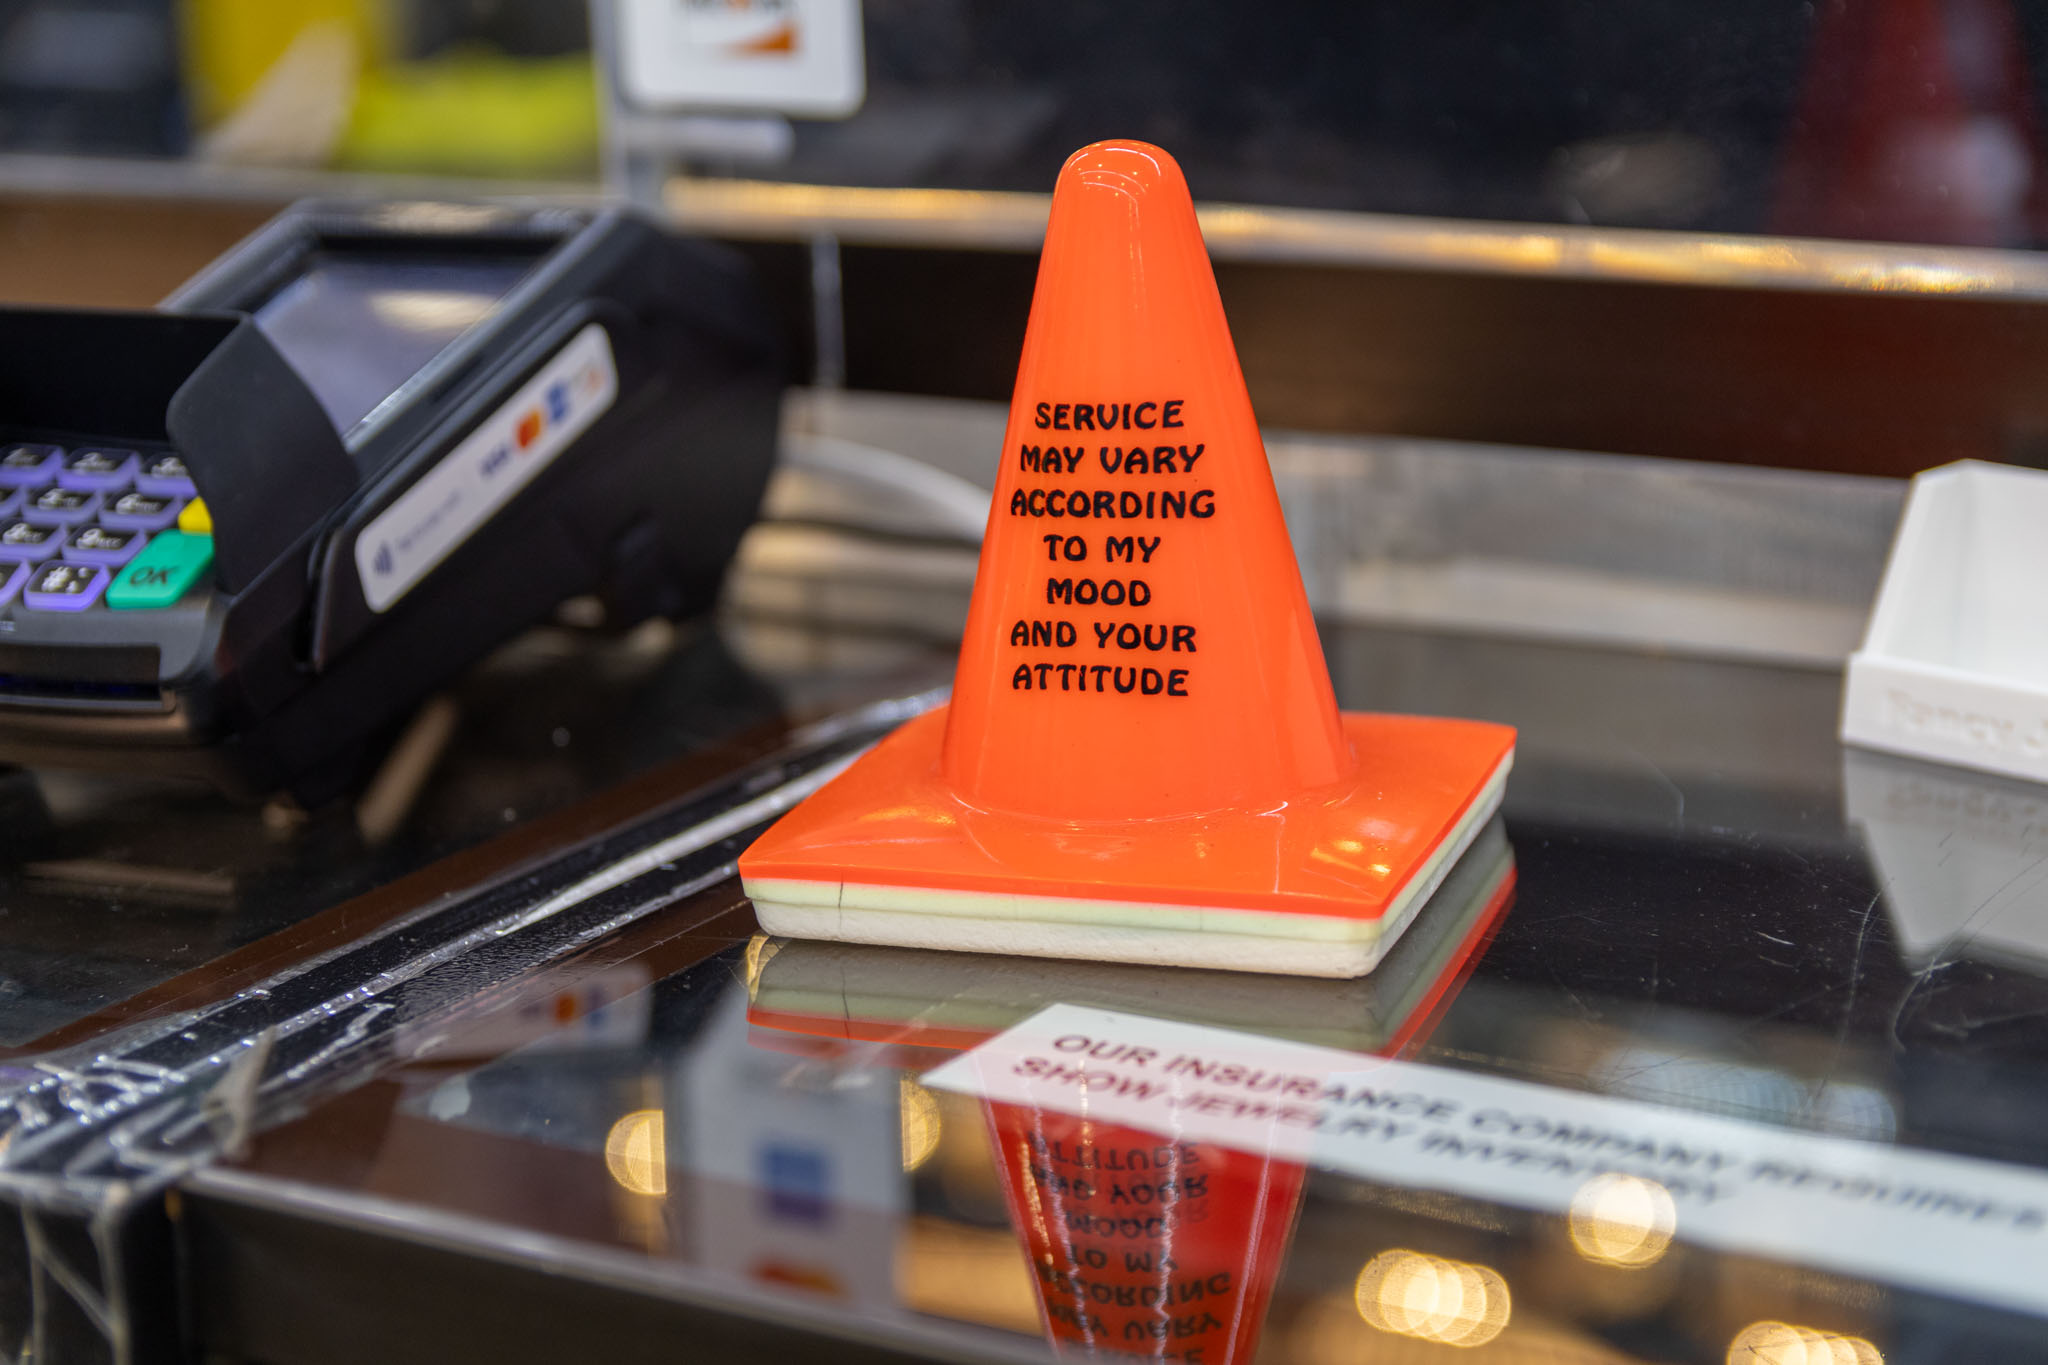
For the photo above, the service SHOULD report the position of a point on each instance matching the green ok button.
(159, 576)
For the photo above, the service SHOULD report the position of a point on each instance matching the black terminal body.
(415, 429)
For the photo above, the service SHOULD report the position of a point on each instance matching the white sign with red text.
(787, 56)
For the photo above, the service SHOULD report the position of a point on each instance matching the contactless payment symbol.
(502, 454)
(1143, 759)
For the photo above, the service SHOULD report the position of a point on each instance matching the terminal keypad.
(102, 545)
(166, 476)
(58, 506)
(28, 542)
(30, 465)
(134, 511)
(90, 527)
(62, 586)
(97, 469)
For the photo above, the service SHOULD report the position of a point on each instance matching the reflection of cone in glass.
(1143, 759)
(1140, 1245)
(1128, 1251)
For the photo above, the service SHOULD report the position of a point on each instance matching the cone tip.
(1128, 163)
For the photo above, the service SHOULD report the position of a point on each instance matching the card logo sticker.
(506, 452)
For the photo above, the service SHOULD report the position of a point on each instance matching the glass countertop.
(1699, 927)
(128, 899)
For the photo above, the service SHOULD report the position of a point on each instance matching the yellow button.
(195, 518)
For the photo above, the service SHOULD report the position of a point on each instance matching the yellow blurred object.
(474, 111)
(231, 45)
(1782, 1343)
(969, 1274)
(1623, 1220)
(921, 1124)
(319, 82)
(1432, 1298)
(636, 1152)
(195, 519)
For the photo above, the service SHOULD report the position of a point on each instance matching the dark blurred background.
(1909, 120)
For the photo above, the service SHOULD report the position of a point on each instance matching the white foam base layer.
(1114, 931)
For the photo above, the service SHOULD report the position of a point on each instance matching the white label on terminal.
(504, 454)
(1974, 1229)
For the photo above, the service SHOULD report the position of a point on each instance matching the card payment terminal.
(246, 532)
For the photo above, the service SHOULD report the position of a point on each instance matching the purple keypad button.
(11, 579)
(24, 542)
(64, 586)
(166, 475)
(103, 545)
(97, 469)
(25, 465)
(140, 511)
(60, 506)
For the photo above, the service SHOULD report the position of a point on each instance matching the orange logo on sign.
(529, 428)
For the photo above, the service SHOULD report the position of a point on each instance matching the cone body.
(1143, 760)
(1129, 400)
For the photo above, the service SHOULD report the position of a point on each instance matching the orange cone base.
(1321, 886)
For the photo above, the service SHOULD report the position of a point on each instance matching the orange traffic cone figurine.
(1143, 760)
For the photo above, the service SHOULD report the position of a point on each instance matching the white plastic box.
(1954, 665)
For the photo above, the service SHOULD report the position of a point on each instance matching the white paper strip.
(1974, 1229)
